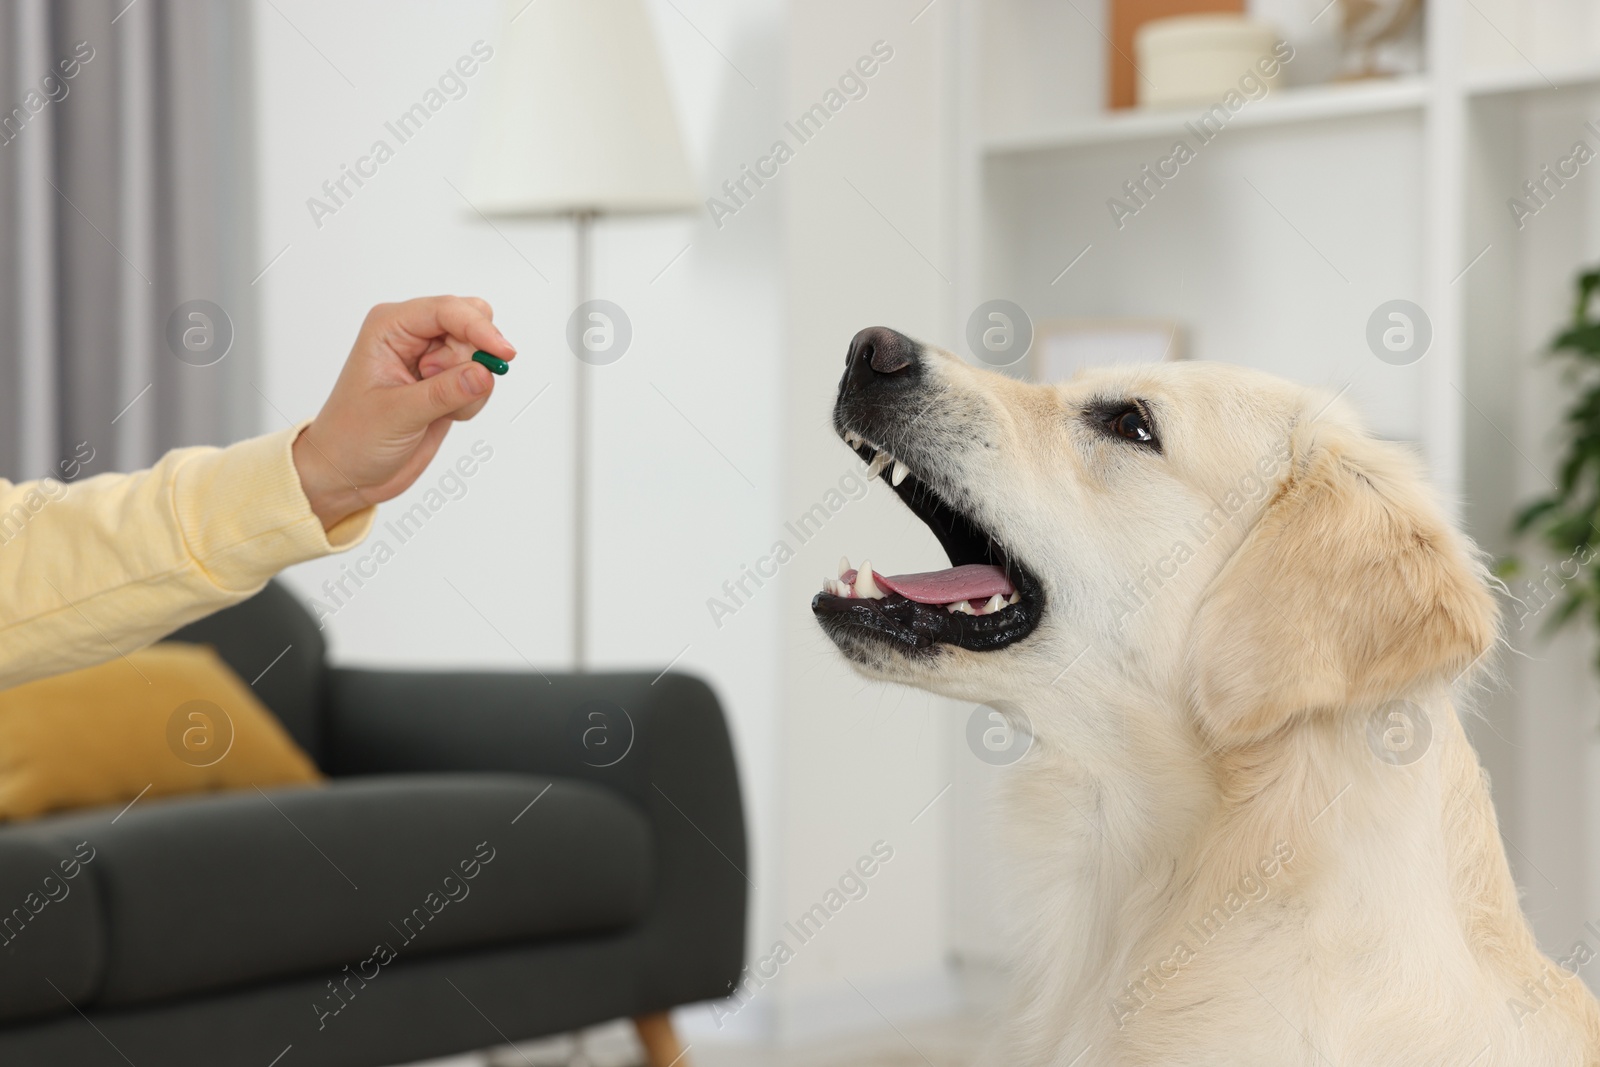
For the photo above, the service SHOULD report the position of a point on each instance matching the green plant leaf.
(1534, 512)
(1588, 281)
(1584, 338)
(1567, 521)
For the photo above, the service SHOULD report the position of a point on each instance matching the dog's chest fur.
(1161, 928)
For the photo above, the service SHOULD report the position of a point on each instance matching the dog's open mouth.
(984, 601)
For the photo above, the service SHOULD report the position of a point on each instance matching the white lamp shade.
(580, 119)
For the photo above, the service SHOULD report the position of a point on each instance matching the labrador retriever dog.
(1250, 829)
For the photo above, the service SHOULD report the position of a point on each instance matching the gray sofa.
(523, 879)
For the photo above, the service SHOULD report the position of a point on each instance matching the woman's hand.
(409, 375)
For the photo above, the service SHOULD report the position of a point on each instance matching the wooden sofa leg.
(661, 1048)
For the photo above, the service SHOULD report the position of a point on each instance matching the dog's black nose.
(877, 355)
(880, 350)
(882, 371)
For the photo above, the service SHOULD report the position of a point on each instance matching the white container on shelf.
(1193, 59)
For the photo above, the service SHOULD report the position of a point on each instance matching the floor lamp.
(580, 125)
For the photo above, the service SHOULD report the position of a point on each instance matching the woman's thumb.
(447, 392)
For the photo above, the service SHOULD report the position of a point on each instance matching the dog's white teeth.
(844, 566)
(995, 603)
(836, 587)
(852, 438)
(900, 472)
(960, 607)
(1014, 598)
(865, 586)
(880, 461)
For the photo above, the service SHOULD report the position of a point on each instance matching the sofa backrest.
(252, 637)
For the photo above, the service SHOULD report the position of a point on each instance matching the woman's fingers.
(410, 329)
(444, 353)
(458, 394)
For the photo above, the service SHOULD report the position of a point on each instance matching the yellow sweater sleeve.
(94, 569)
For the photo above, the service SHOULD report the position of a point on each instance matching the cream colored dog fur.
(1214, 866)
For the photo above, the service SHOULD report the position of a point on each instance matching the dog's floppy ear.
(1351, 589)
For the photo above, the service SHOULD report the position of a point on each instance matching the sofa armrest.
(660, 741)
(51, 916)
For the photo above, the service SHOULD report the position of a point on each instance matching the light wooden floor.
(945, 1043)
(942, 1043)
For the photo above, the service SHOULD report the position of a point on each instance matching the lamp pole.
(582, 223)
(580, 124)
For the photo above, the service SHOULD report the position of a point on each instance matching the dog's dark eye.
(1131, 423)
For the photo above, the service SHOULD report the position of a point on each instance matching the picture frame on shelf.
(1062, 347)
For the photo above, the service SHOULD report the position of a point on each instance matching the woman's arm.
(94, 569)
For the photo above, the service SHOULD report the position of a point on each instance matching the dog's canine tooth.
(865, 586)
(880, 461)
(995, 603)
(844, 566)
(960, 607)
(900, 472)
(1014, 598)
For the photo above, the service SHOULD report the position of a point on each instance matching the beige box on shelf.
(1199, 59)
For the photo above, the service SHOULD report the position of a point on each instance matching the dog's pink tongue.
(971, 581)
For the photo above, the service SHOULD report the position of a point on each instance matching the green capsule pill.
(494, 363)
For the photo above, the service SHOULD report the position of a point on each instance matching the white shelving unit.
(1282, 108)
(1275, 244)
(1563, 76)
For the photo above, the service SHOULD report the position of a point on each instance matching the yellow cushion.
(168, 719)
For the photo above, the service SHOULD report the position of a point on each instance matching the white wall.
(869, 243)
(746, 335)
(672, 519)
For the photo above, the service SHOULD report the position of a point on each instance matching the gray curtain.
(125, 199)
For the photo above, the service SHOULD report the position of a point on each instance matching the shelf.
(1287, 106)
(1527, 79)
